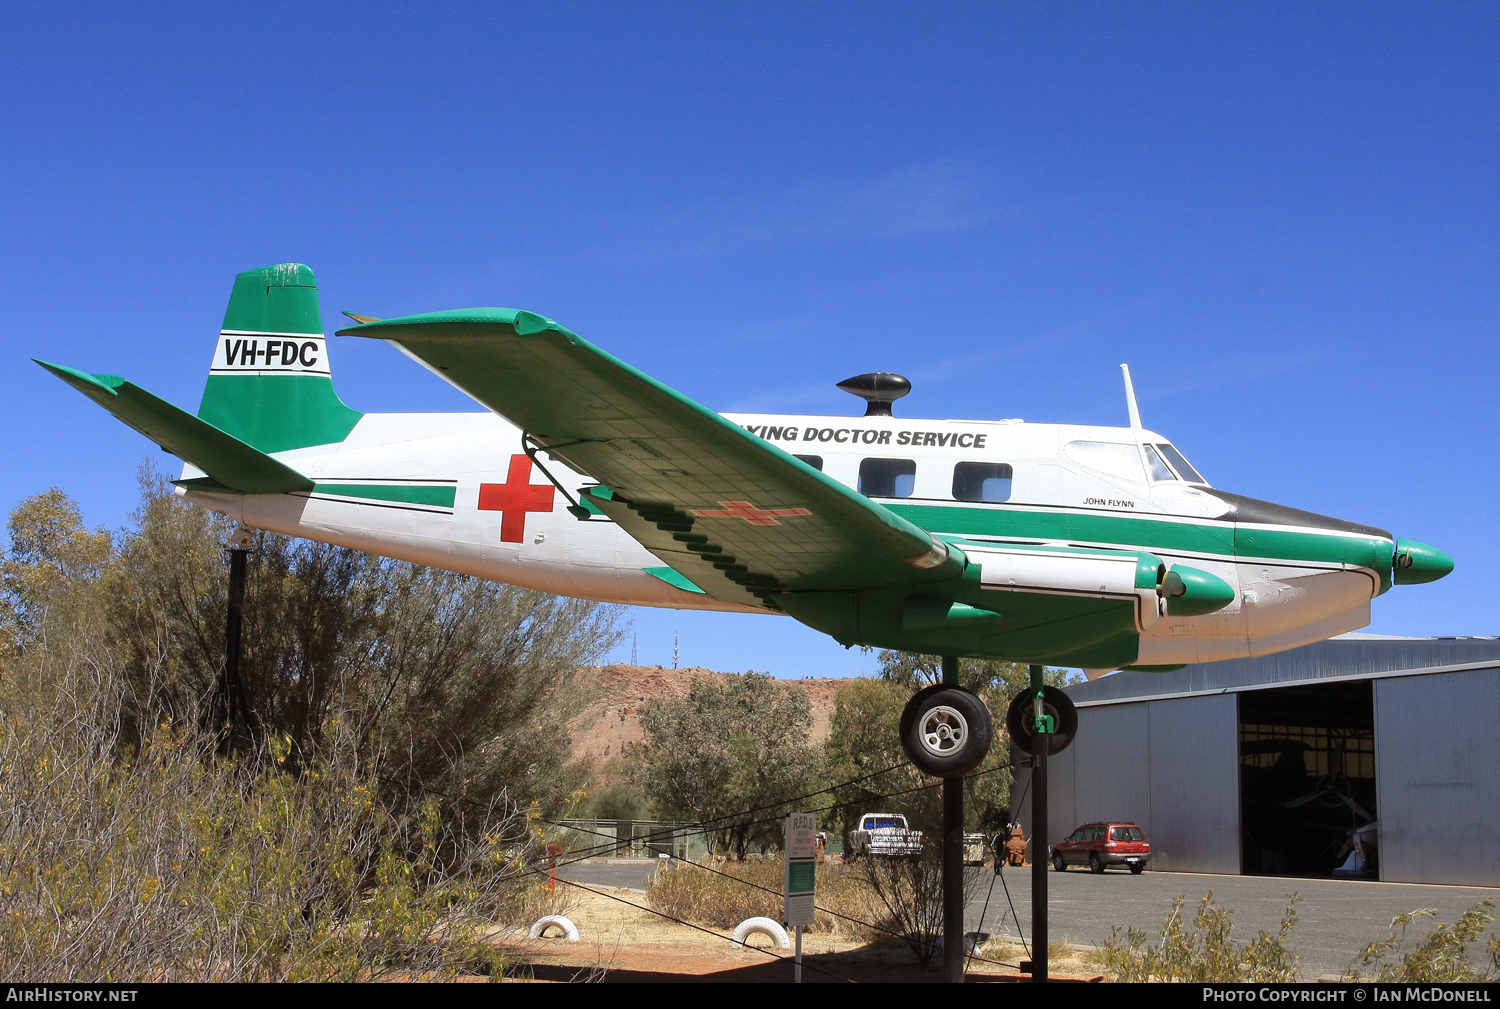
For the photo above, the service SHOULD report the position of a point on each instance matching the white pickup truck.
(884, 834)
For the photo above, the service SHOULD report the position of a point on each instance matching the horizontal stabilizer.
(228, 461)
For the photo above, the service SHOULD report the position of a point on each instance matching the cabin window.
(1159, 469)
(887, 477)
(815, 461)
(1110, 458)
(981, 481)
(1183, 467)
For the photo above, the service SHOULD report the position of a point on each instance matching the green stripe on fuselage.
(432, 495)
(1166, 533)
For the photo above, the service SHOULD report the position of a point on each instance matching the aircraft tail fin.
(270, 385)
(229, 462)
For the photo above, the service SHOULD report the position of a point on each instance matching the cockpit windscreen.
(1184, 468)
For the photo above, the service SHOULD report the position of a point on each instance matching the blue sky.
(1283, 216)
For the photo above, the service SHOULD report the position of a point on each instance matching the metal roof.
(1348, 657)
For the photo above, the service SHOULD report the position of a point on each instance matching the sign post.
(801, 870)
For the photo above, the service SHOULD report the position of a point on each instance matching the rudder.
(270, 384)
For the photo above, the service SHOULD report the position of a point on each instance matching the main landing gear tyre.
(1055, 703)
(1096, 865)
(946, 731)
(1059, 864)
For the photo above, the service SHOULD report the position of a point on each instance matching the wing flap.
(657, 533)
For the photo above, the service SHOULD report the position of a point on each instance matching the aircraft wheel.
(1055, 703)
(1059, 864)
(946, 731)
(1096, 865)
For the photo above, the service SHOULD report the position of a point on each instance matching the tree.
(158, 860)
(731, 746)
(618, 802)
(50, 553)
(455, 686)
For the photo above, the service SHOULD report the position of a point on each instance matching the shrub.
(172, 865)
(909, 894)
(721, 899)
(1443, 955)
(132, 848)
(1207, 952)
(451, 684)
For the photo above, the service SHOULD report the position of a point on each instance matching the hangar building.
(1264, 766)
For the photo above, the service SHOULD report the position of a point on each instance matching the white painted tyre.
(765, 926)
(570, 930)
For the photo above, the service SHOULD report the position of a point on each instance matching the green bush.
(172, 865)
(1443, 955)
(356, 833)
(449, 684)
(1206, 952)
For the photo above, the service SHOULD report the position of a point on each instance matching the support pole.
(228, 703)
(953, 860)
(1040, 742)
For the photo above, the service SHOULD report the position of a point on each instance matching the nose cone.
(1416, 563)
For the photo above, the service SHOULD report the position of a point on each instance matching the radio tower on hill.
(674, 649)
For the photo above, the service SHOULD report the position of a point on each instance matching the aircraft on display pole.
(1087, 546)
(1074, 545)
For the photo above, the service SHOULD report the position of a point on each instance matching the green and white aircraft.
(1086, 546)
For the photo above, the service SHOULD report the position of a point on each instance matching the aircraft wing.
(739, 517)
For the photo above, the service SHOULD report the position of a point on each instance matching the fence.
(633, 839)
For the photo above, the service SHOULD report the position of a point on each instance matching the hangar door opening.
(1307, 780)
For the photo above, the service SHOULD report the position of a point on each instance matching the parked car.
(885, 834)
(1101, 845)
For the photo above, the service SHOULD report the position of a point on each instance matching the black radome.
(879, 389)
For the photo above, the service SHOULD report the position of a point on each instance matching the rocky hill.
(613, 720)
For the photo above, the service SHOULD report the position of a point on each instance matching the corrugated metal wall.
(1437, 768)
(1172, 766)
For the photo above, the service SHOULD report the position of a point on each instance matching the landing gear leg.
(953, 860)
(946, 732)
(228, 710)
(1040, 743)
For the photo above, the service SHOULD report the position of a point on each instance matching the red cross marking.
(514, 498)
(747, 511)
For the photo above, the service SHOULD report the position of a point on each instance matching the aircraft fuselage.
(457, 491)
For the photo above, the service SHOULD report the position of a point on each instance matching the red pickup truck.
(1101, 845)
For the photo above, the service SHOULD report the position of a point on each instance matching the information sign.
(801, 867)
